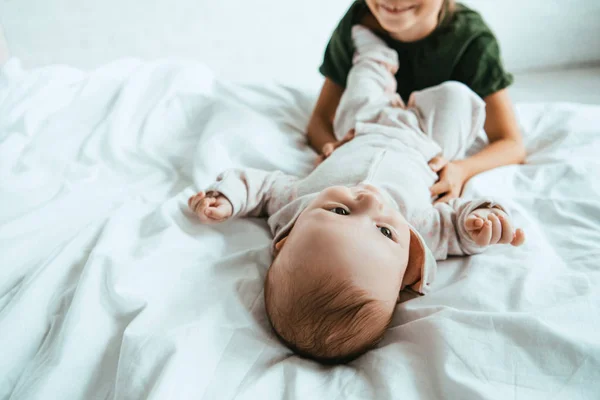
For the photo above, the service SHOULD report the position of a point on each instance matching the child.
(347, 238)
(437, 41)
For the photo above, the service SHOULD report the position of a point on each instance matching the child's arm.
(464, 227)
(480, 67)
(320, 127)
(506, 143)
(243, 193)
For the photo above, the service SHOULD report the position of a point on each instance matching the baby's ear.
(416, 260)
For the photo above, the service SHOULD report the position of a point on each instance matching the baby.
(361, 227)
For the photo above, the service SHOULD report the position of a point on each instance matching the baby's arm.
(464, 227)
(371, 84)
(242, 193)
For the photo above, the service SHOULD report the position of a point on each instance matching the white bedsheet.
(109, 288)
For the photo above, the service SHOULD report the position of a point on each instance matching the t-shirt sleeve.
(481, 68)
(338, 54)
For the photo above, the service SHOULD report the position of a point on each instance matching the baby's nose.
(370, 199)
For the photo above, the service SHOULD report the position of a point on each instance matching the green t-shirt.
(462, 48)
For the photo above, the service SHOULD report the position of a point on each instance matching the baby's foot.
(370, 45)
(488, 226)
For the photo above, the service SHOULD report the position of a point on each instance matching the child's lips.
(395, 10)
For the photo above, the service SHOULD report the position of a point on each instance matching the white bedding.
(109, 288)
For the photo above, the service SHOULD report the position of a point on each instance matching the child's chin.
(397, 23)
(392, 28)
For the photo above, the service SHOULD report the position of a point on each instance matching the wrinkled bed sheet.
(109, 288)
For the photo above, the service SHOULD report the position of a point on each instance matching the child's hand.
(328, 148)
(210, 207)
(488, 226)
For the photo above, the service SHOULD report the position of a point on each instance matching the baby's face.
(357, 235)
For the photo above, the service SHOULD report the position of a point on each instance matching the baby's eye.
(386, 232)
(340, 211)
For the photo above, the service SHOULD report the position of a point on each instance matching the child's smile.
(406, 21)
(395, 10)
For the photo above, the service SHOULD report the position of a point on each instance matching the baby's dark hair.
(332, 322)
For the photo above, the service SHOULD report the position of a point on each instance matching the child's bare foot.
(488, 226)
(210, 207)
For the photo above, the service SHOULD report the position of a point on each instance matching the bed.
(109, 288)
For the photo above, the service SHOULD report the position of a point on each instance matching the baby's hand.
(210, 207)
(488, 226)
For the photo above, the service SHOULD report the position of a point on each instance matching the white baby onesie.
(391, 151)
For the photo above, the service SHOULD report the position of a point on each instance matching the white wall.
(3, 47)
(544, 33)
(265, 39)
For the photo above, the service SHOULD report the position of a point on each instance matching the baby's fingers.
(496, 228)
(201, 206)
(195, 200)
(508, 231)
(206, 202)
(218, 213)
(519, 238)
(484, 236)
(473, 223)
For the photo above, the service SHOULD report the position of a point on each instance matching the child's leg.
(451, 114)
(371, 83)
